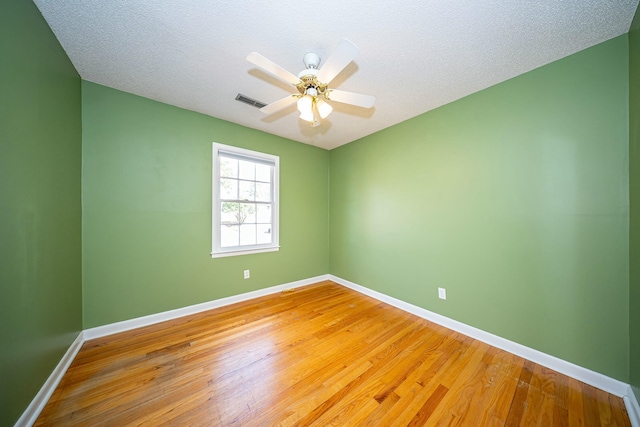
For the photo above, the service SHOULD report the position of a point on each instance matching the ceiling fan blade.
(270, 66)
(279, 105)
(358, 99)
(340, 58)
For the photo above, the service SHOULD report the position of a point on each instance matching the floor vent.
(242, 98)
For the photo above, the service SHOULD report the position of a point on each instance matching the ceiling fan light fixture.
(324, 109)
(308, 117)
(312, 84)
(313, 108)
(305, 106)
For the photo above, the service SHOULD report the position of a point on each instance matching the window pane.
(229, 235)
(228, 189)
(229, 213)
(247, 190)
(264, 233)
(245, 200)
(263, 214)
(248, 213)
(263, 192)
(247, 170)
(263, 173)
(248, 234)
(228, 167)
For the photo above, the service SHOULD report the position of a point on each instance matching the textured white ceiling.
(415, 55)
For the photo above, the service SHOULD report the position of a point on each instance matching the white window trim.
(216, 250)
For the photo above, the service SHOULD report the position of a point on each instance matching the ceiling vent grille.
(242, 98)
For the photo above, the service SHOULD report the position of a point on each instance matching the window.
(245, 201)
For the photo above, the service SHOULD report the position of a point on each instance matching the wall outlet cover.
(442, 293)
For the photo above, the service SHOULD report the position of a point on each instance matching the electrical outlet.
(442, 293)
(247, 274)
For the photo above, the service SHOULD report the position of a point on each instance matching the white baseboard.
(633, 408)
(585, 375)
(30, 415)
(126, 325)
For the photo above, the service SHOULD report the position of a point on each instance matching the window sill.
(244, 252)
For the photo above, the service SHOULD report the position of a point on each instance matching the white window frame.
(217, 251)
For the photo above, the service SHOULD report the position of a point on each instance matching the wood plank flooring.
(322, 355)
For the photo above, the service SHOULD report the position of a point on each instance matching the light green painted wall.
(634, 183)
(40, 205)
(147, 209)
(514, 199)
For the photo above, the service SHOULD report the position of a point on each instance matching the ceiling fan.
(313, 84)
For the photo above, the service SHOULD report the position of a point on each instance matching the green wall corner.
(514, 199)
(147, 209)
(40, 211)
(634, 199)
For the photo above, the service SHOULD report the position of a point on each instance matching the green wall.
(40, 205)
(634, 181)
(514, 199)
(147, 209)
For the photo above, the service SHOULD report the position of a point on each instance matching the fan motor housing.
(310, 80)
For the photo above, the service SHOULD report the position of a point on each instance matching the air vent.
(242, 98)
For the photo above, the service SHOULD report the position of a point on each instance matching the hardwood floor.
(321, 355)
